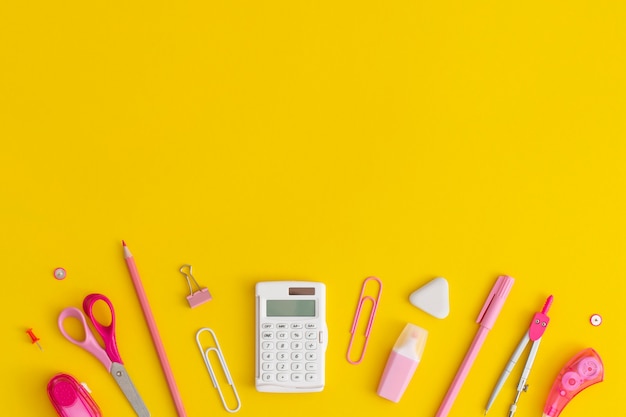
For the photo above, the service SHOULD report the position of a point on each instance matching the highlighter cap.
(495, 301)
(402, 362)
(411, 341)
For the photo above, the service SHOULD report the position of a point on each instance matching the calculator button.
(289, 352)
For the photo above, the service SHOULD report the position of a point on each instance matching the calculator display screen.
(290, 308)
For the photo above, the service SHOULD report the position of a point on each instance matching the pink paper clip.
(357, 314)
(199, 296)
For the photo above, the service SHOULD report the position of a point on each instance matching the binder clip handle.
(198, 296)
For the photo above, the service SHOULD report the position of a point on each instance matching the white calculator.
(291, 336)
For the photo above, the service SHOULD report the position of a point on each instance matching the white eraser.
(433, 298)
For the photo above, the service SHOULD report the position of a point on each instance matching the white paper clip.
(201, 295)
(218, 351)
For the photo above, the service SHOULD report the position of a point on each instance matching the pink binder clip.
(201, 295)
(370, 322)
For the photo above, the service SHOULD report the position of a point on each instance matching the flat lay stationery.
(313, 208)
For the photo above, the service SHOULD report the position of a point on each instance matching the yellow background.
(314, 140)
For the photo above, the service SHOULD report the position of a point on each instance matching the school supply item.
(402, 363)
(433, 298)
(34, 339)
(154, 331)
(109, 356)
(580, 372)
(70, 398)
(486, 319)
(215, 347)
(534, 333)
(291, 336)
(370, 322)
(60, 273)
(595, 320)
(201, 295)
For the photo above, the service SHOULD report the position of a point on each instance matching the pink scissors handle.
(106, 332)
(90, 344)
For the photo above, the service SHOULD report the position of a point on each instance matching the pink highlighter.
(402, 362)
(70, 398)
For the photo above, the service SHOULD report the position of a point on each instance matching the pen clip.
(495, 301)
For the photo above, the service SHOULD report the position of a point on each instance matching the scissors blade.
(126, 385)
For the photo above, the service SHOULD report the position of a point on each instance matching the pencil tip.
(123, 243)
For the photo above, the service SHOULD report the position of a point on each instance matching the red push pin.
(34, 338)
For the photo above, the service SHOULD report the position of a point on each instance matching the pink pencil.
(154, 332)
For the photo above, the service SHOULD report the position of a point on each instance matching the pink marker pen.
(486, 319)
(402, 362)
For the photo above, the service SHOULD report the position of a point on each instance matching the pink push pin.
(60, 273)
(595, 320)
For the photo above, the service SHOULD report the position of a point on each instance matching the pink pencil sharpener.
(70, 398)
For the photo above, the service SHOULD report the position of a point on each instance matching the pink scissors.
(109, 356)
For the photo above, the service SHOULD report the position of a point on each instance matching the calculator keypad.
(290, 352)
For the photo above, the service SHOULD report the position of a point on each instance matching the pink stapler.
(402, 362)
(582, 371)
(70, 398)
